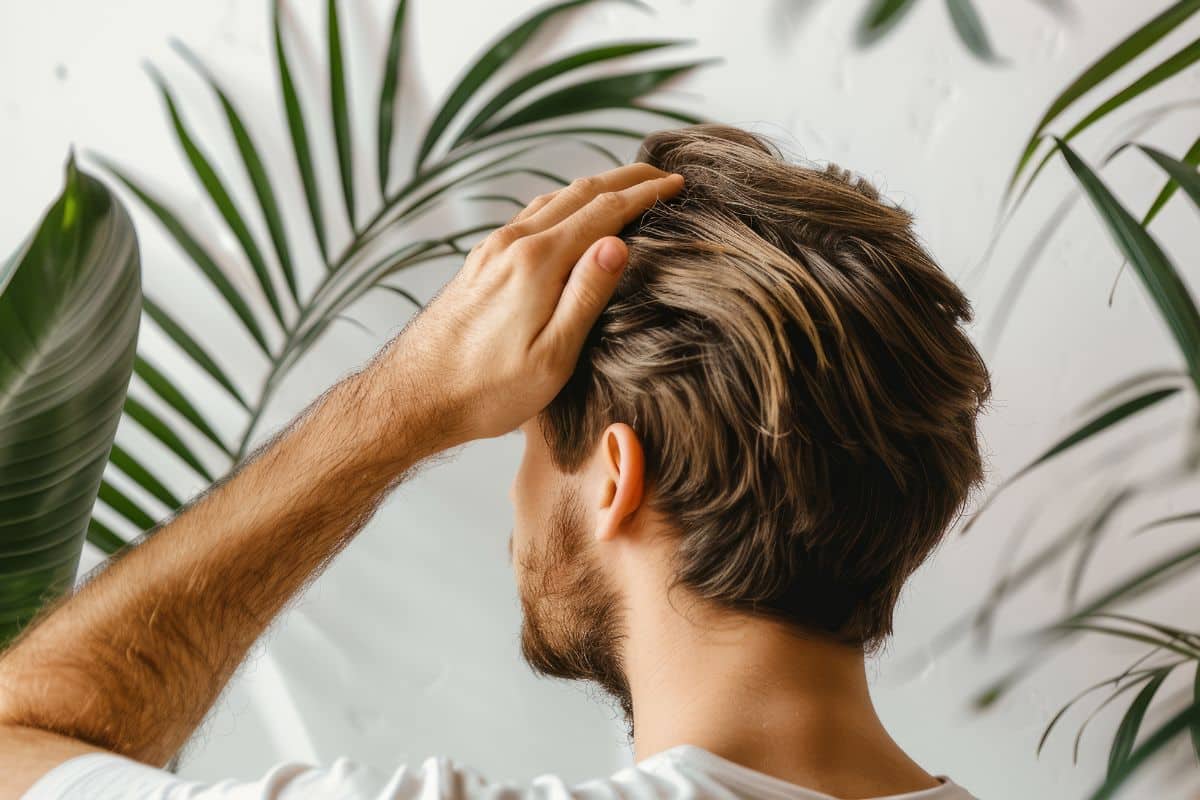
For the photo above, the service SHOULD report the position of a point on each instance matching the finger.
(606, 214)
(535, 205)
(593, 279)
(581, 191)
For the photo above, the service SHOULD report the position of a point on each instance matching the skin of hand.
(133, 660)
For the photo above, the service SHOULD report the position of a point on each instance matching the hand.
(502, 337)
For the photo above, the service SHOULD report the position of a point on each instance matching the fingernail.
(611, 256)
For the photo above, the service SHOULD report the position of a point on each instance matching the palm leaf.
(255, 170)
(1131, 723)
(69, 306)
(119, 502)
(1084, 432)
(1195, 725)
(387, 98)
(1171, 520)
(1181, 173)
(614, 91)
(1176, 725)
(881, 16)
(484, 67)
(154, 425)
(1137, 680)
(104, 538)
(1165, 286)
(188, 344)
(172, 396)
(537, 77)
(970, 28)
(299, 134)
(338, 102)
(1121, 54)
(219, 195)
(139, 474)
(199, 256)
(1167, 69)
(1139, 583)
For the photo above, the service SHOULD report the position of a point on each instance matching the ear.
(622, 467)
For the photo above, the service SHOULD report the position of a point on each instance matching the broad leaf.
(69, 310)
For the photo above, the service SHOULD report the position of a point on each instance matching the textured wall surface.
(407, 645)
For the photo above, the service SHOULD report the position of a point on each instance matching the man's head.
(778, 407)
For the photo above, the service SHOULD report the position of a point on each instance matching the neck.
(756, 692)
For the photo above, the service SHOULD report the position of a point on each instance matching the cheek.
(531, 488)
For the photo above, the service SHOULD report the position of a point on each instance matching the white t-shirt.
(684, 772)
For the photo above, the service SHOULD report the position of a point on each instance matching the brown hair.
(792, 359)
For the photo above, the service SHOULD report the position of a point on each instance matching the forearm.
(134, 660)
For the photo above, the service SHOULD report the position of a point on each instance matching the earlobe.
(624, 476)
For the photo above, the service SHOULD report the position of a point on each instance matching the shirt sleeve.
(108, 776)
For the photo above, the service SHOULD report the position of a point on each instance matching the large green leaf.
(69, 309)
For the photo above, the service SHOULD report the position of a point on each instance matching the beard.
(572, 627)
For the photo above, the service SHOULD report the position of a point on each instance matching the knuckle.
(609, 201)
(528, 250)
(585, 186)
(506, 235)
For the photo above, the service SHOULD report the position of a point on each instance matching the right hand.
(501, 339)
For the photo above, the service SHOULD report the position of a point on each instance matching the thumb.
(589, 287)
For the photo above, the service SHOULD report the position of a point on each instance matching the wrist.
(399, 416)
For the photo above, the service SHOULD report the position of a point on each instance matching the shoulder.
(107, 776)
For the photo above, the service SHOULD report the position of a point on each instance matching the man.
(771, 425)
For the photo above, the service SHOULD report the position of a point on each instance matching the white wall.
(407, 645)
